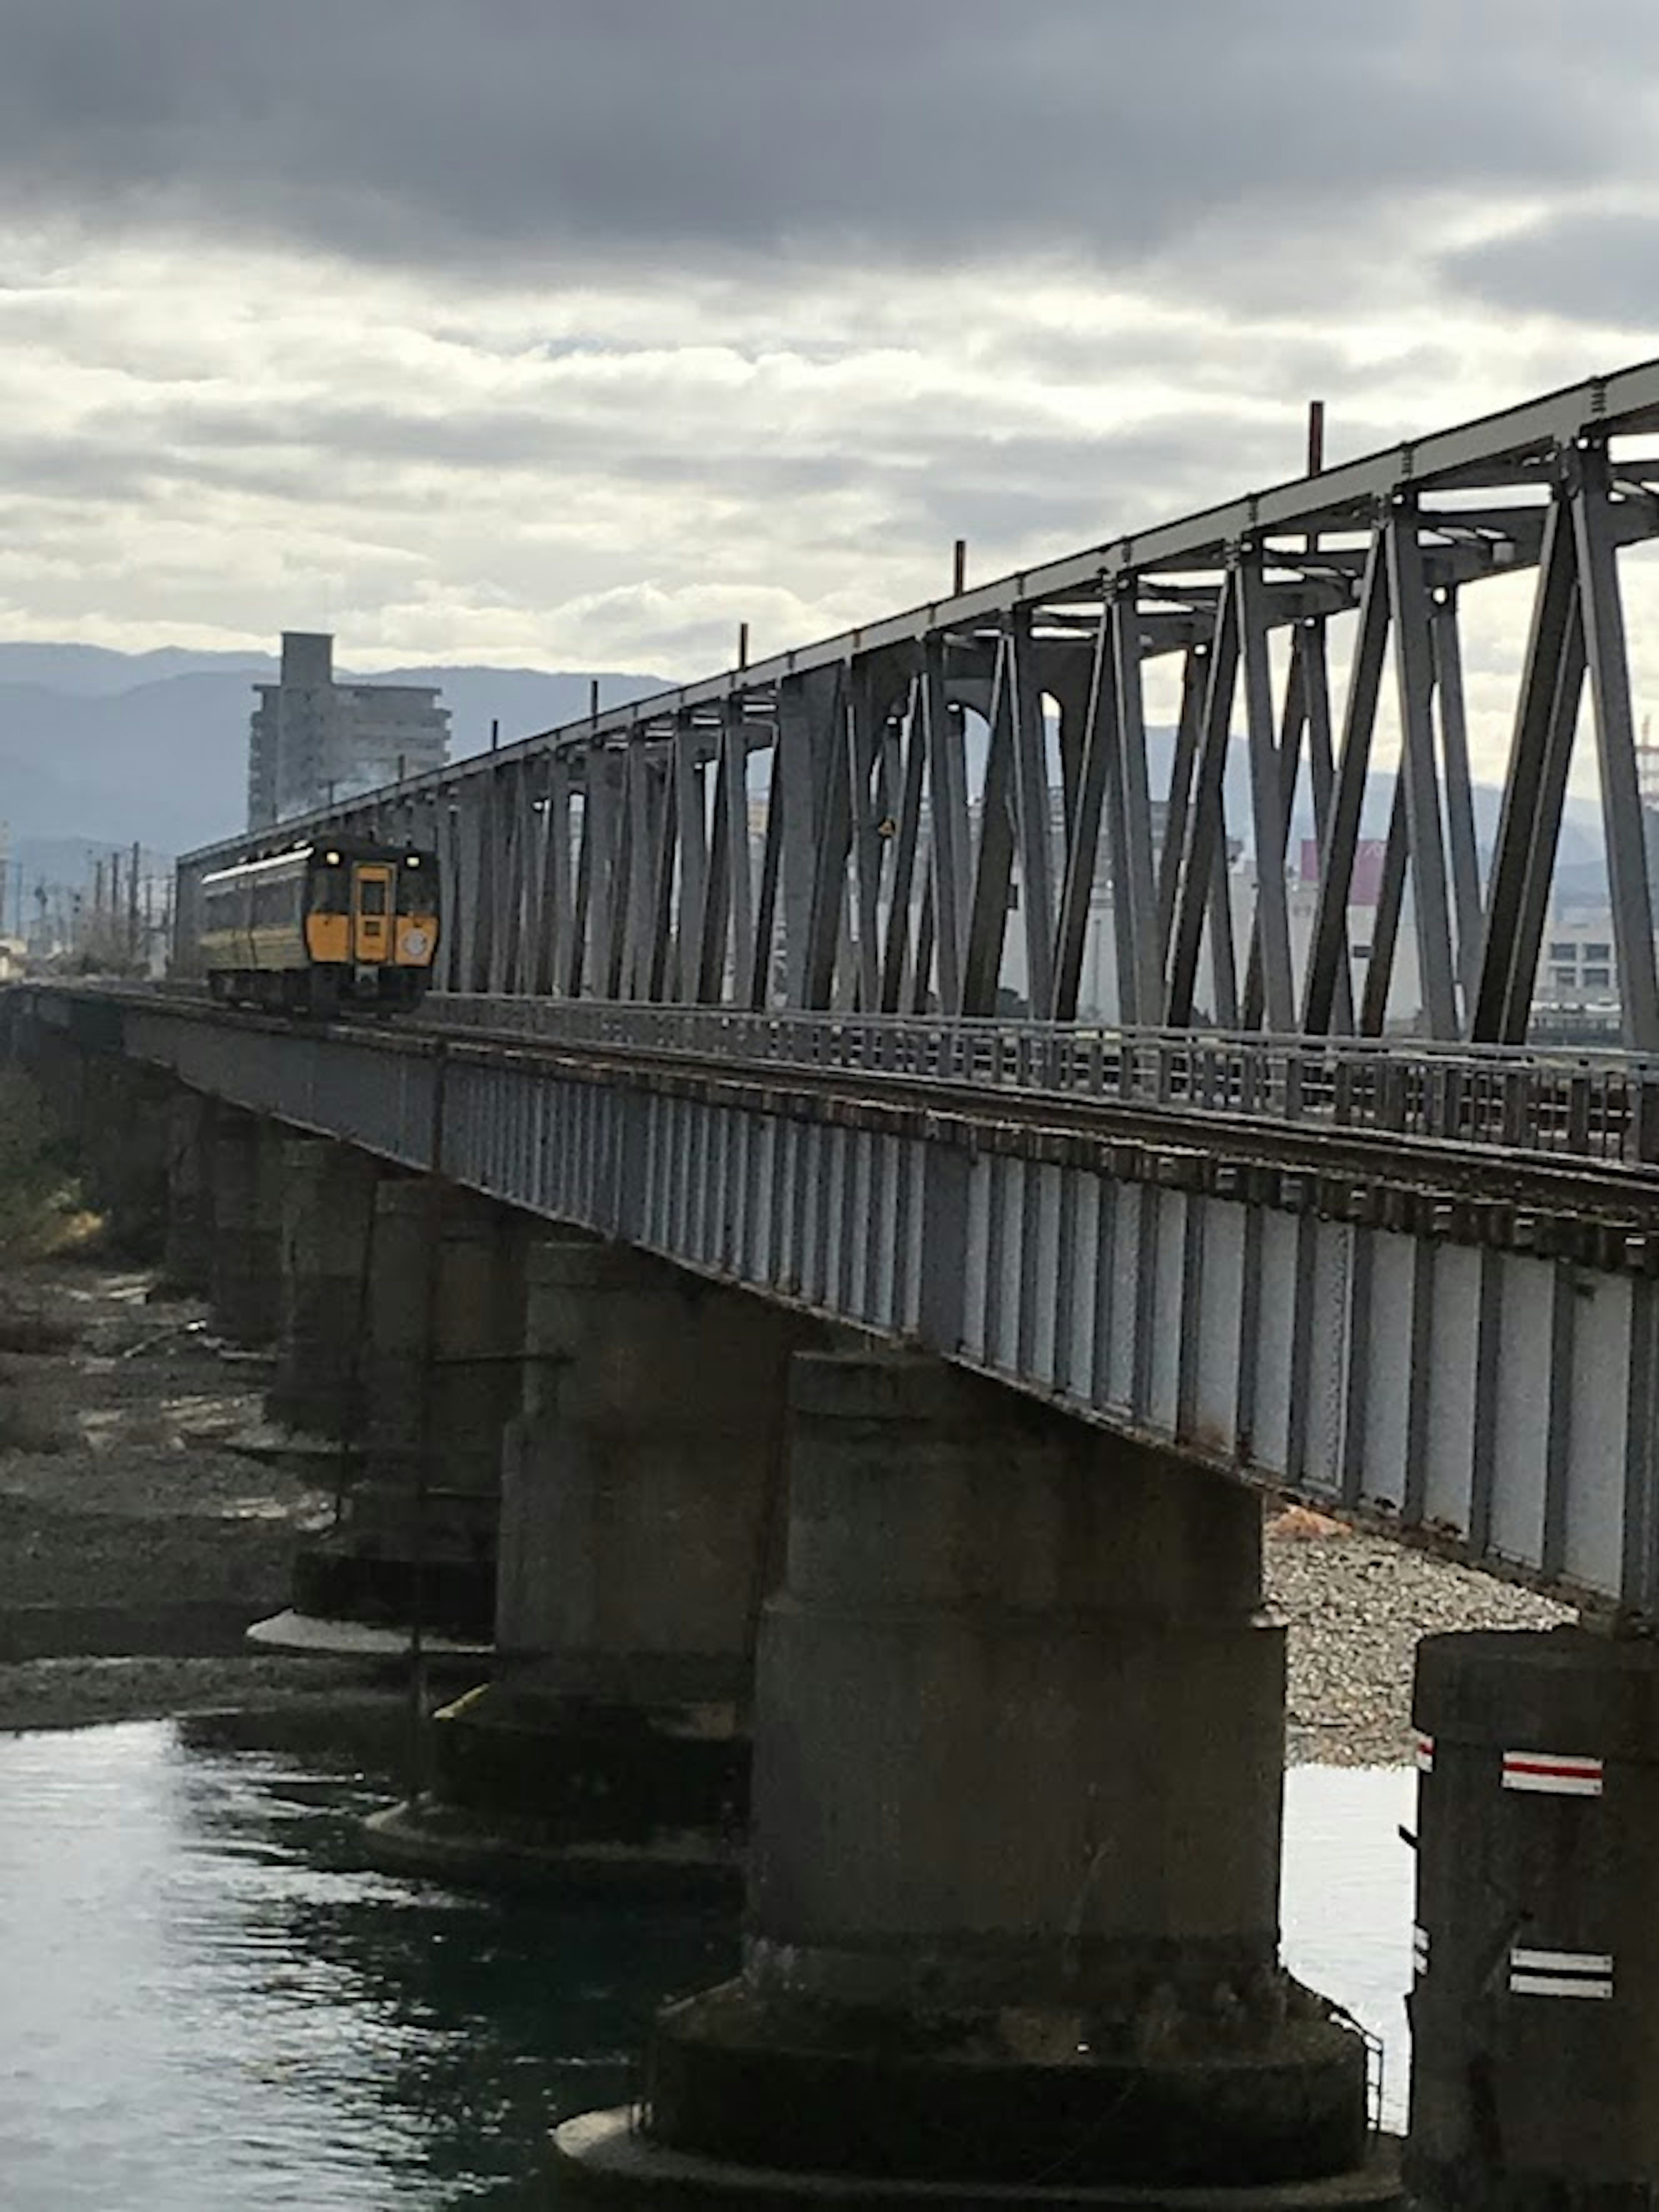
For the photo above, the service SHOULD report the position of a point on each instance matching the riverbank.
(136, 1539)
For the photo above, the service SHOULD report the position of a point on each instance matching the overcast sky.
(574, 332)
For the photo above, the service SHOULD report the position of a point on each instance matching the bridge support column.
(641, 1512)
(442, 1379)
(1535, 2006)
(244, 1289)
(328, 1220)
(187, 1251)
(1012, 1923)
(123, 1140)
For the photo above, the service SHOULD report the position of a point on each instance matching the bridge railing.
(1600, 1107)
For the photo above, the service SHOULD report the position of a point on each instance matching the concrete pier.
(1012, 1923)
(245, 1290)
(1535, 2004)
(187, 1251)
(641, 1523)
(328, 1222)
(441, 1380)
(122, 1125)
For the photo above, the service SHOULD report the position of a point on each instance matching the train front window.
(330, 891)
(415, 887)
(371, 895)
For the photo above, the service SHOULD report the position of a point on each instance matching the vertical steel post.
(1615, 743)
(1414, 674)
(1273, 925)
(948, 795)
(1033, 811)
(1459, 796)
(1133, 890)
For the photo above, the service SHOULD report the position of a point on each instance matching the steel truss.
(899, 819)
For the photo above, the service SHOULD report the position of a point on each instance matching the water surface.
(207, 2004)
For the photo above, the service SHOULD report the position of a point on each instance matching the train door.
(371, 914)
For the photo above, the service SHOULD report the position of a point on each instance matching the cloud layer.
(532, 134)
(580, 332)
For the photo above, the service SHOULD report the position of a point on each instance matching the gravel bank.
(117, 1487)
(119, 1494)
(1356, 1605)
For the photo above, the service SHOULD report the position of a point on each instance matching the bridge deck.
(1329, 1272)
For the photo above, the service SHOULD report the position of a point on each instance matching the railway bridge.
(888, 1171)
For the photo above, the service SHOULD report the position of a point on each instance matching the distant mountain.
(111, 747)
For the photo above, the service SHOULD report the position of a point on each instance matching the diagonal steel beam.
(1328, 954)
(1203, 861)
(1529, 825)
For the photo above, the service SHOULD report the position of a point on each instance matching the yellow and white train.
(320, 926)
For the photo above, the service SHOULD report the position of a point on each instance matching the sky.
(574, 333)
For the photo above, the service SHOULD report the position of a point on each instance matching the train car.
(321, 927)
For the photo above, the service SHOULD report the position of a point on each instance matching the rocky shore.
(137, 1541)
(138, 1538)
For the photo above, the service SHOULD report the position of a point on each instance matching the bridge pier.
(244, 1289)
(122, 1126)
(328, 1222)
(441, 1380)
(641, 1514)
(187, 1246)
(1012, 1903)
(1535, 2006)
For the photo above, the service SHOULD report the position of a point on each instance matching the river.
(207, 2004)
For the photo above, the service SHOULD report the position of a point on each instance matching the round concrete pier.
(1536, 2006)
(245, 1291)
(1012, 1904)
(638, 1532)
(328, 1213)
(441, 1380)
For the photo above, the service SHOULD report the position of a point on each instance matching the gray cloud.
(549, 134)
(1595, 266)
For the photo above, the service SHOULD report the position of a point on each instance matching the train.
(321, 928)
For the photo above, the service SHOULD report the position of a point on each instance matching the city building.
(313, 741)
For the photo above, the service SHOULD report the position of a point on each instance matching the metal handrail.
(1603, 1107)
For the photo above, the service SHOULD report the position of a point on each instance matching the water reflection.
(206, 2001)
(1347, 1908)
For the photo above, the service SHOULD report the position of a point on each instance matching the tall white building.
(313, 741)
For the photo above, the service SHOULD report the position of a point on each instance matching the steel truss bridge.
(906, 771)
(722, 968)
